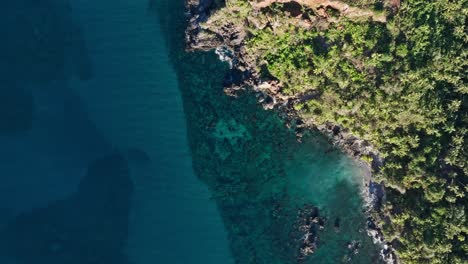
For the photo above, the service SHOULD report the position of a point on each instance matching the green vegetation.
(400, 85)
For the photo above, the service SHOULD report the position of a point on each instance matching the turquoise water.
(120, 147)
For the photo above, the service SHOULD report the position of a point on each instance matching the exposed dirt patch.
(317, 5)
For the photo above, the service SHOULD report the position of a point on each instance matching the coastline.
(228, 45)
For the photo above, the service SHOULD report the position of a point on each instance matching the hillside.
(389, 75)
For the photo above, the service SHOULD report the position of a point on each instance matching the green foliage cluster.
(400, 85)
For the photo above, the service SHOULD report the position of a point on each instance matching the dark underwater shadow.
(49, 140)
(91, 226)
(40, 115)
(41, 42)
(16, 109)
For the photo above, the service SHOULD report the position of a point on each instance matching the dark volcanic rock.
(308, 225)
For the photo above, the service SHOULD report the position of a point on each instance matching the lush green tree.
(401, 85)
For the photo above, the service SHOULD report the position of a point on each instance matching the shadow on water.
(40, 42)
(50, 212)
(16, 109)
(42, 122)
(249, 160)
(88, 227)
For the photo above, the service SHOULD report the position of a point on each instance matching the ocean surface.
(117, 146)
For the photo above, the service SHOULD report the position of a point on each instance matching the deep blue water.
(118, 147)
(99, 82)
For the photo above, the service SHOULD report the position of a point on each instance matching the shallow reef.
(279, 198)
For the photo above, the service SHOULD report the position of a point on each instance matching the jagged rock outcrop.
(309, 224)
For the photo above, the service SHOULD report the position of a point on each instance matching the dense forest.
(391, 73)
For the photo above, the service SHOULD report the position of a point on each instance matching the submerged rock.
(336, 224)
(229, 135)
(353, 249)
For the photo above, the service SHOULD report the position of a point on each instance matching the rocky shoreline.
(227, 43)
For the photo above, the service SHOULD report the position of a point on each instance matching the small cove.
(210, 179)
(260, 176)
